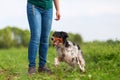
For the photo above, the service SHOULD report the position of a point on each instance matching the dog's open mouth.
(57, 41)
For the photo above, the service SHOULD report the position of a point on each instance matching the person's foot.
(31, 70)
(44, 69)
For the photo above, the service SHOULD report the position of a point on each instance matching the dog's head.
(59, 38)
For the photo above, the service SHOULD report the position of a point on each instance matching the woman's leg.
(34, 19)
(45, 32)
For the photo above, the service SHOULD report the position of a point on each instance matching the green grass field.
(102, 63)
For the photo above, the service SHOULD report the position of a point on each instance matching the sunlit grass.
(102, 63)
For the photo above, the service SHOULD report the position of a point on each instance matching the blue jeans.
(40, 22)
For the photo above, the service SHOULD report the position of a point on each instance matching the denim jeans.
(40, 22)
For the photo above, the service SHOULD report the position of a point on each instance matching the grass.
(102, 63)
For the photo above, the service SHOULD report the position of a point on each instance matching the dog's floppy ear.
(64, 34)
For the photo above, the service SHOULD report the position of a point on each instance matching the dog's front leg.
(56, 61)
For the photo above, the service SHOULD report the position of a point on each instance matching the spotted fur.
(67, 51)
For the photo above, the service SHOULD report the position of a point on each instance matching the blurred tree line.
(15, 37)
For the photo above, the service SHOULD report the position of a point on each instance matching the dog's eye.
(52, 39)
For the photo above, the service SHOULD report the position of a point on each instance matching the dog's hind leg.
(81, 62)
(81, 66)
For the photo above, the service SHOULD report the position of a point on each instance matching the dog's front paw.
(56, 62)
(56, 65)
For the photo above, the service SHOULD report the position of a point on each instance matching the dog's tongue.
(55, 43)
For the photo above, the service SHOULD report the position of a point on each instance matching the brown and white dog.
(67, 51)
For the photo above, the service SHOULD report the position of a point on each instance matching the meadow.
(102, 63)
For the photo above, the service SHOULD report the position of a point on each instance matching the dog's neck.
(60, 46)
